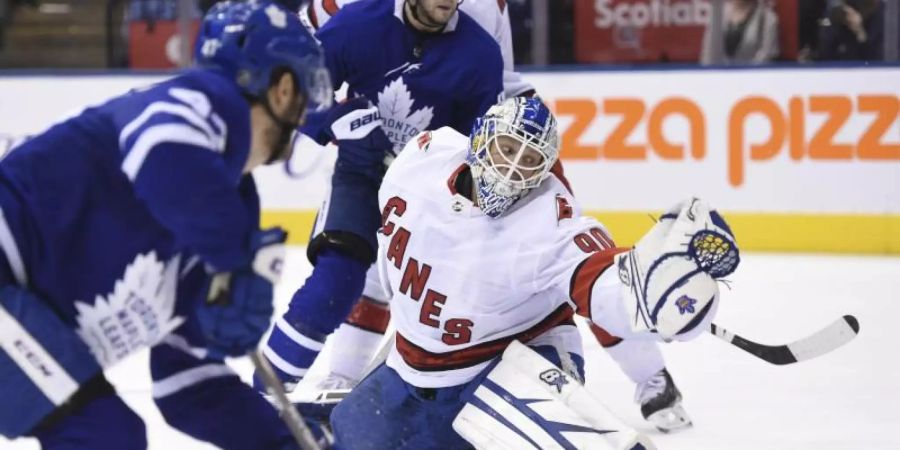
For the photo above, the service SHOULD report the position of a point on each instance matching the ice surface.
(845, 400)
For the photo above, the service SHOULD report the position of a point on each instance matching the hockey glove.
(669, 278)
(239, 305)
(355, 127)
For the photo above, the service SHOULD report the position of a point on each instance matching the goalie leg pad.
(526, 402)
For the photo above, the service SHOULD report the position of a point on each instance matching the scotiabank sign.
(639, 30)
(655, 30)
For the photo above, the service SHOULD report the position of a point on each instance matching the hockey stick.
(289, 413)
(819, 343)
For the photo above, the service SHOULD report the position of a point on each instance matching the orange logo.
(790, 127)
(787, 127)
(632, 111)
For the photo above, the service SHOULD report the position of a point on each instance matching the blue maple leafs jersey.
(418, 81)
(104, 209)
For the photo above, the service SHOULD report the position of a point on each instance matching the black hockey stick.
(819, 343)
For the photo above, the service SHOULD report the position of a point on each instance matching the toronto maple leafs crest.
(400, 122)
(554, 377)
(685, 304)
(139, 312)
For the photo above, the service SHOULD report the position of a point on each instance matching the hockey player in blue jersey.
(116, 222)
(410, 66)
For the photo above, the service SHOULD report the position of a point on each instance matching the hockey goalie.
(485, 258)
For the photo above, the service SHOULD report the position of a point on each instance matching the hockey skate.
(660, 403)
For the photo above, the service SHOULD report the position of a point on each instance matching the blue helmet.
(511, 151)
(250, 41)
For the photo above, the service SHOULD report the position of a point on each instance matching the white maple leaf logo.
(395, 104)
(139, 312)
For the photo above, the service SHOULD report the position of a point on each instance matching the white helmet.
(511, 150)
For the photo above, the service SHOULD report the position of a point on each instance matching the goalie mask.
(511, 150)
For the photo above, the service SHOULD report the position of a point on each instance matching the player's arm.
(493, 16)
(513, 83)
(338, 61)
(174, 155)
(485, 91)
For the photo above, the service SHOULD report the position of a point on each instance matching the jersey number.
(594, 241)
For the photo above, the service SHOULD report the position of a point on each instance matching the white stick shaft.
(289, 413)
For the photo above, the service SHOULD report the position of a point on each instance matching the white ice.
(846, 400)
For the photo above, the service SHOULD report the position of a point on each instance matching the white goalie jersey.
(492, 15)
(463, 285)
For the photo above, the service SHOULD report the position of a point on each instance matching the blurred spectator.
(4, 15)
(810, 13)
(7, 7)
(749, 34)
(562, 31)
(853, 30)
(520, 22)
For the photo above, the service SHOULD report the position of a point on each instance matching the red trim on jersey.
(451, 182)
(605, 339)
(423, 360)
(370, 315)
(312, 17)
(330, 6)
(586, 274)
(423, 140)
(501, 4)
(557, 170)
(563, 208)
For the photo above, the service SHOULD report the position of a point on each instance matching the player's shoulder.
(477, 47)
(198, 105)
(476, 36)
(549, 210)
(349, 16)
(204, 90)
(429, 151)
(485, 12)
(443, 143)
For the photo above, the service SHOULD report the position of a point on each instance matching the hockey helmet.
(511, 150)
(252, 40)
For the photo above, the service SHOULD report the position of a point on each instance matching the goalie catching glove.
(669, 277)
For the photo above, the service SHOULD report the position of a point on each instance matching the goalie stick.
(839, 333)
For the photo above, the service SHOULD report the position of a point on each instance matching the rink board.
(799, 159)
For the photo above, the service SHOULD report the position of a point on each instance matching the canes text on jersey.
(415, 277)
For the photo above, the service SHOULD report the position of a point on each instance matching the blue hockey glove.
(239, 305)
(355, 126)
